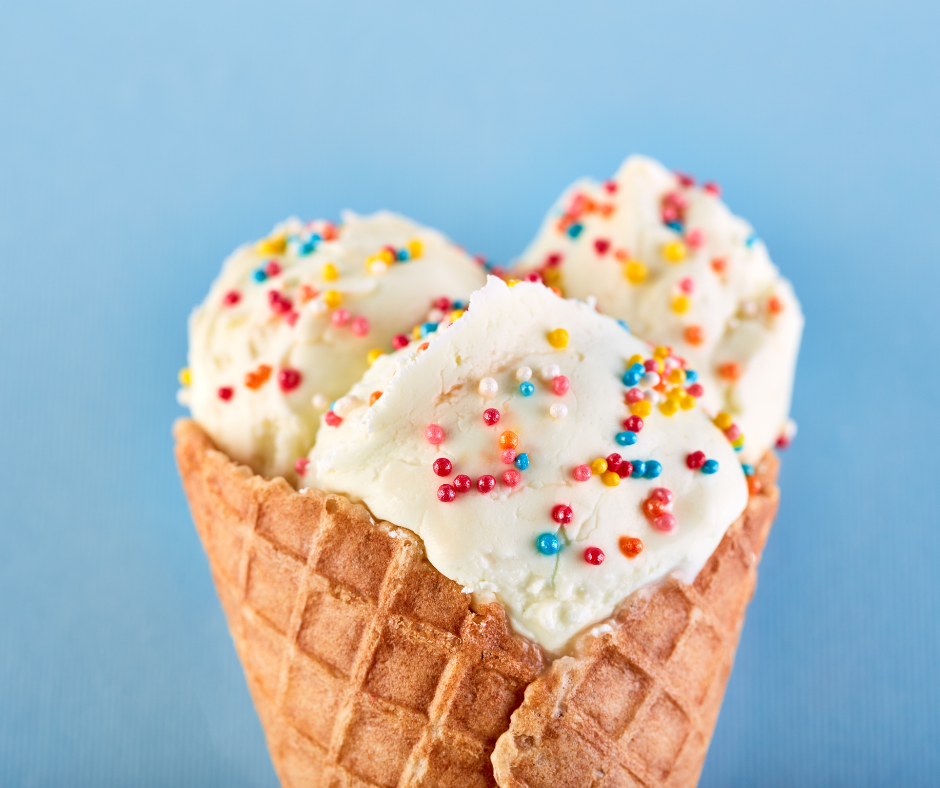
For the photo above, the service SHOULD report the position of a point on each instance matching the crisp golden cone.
(369, 669)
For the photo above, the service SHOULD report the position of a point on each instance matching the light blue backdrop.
(139, 145)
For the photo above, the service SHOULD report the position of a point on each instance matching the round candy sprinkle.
(259, 275)
(446, 493)
(462, 483)
(675, 251)
(523, 374)
(491, 416)
(340, 317)
(301, 465)
(226, 393)
(610, 478)
(522, 461)
(399, 341)
(748, 469)
(661, 493)
(599, 465)
(710, 467)
(694, 335)
(665, 523)
(695, 460)
(333, 298)
(754, 485)
(526, 389)
(374, 397)
(653, 508)
(434, 434)
(582, 473)
(486, 483)
(345, 405)
(653, 469)
(558, 411)
(613, 461)
(549, 372)
(630, 546)
(633, 424)
(626, 438)
(231, 298)
(650, 379)
(631, 377)
(696, 390)
(373, 355)
(668, 408)
(289, 379)
(508, 456)
(625, 470)
(635, 271)
(512, 477)
(562, 514)
(331, 419)
(639, 469)
(641, 409)
(489, 387)
(633, 396)
(560, 385)
(442, 466)
(508, 440)
(547, 544)
(558, 338)
(594, 556)
(360, 326)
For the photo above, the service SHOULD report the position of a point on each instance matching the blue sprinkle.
(259, 275)
(626, 438)
(548, 544)
(428, 328)
(639, 469)
(653, 469)
(307, 248)
(677, 226)
(575, 230)
(691, 376)
(752, 239)
(403, 254)
(315, 238)
(630, 378)
(522, 461)
(526, 389)
(638, 368)
(624, 326)
(457, 305)
(710, 467)
(738, 448)
(748, 469)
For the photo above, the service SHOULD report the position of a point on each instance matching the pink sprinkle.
(281, 304)
(533, 276)
(273, 268)
(226, 393)
(360, 326)
(512, 477)
(733, 433)
(331, 419)
(662, 494)
(291, 318)
(650, 365)
(434, 434)
(399, 341)
(712, 188)
(289, 379)
(594, 555)
(686, 181)
(231, 298)
(486, 483)
(665, 523)
(560, 385)
(601, 245)
(442, 303)
(582, 473)
(301, 465)
(696, 390)
(670, 214)
(633, 396)
(610, 187)
(687, 285)
(695, 238)
(676, 200)
(508, 456)
(340, 317)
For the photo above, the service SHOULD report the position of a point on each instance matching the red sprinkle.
(624, 469)
(289, 379)
(695, 238)
(331, 419)
(686, 181)
(630, 546)
(486, 483)
(442, 466)
(273, 268)
(712, 188)
(783, 442)
(696, 390)
(601, 245)
(613, 462)
(442, 303)
(301, 465)
(512, 477)
(399, 341)
(594, 555)
(281, 304)
(491, 416)
(650, 365)
(560, 385)
(533, 276)
(226, 393)
(446, 493)
(291, 318)
(553, 260)
(231, 298)
(696, 460)
(462, 483)
(610, 187)
(562, 514)
(633, 424)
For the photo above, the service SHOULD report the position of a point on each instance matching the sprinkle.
(434, 434)
(752, 239)
(558, 338)
(488, 387)
(373, 355)
(415, 249)
(695, 460)
(462, 483)
(581, 473)
(730, 370)
(508, 440)
(360, 326)
(712, 188)
(674, 251)
(594, 556)
(633, 396)
(226, 393)
(399, 341)
(630, 546)
(522, 461)
(428, 328)
(601, 246)
(526, 389)
(442, 466)
(625, 469)
(345, 405)
(333, 298)
(331, 419)
(231, 298)
(560, 385)
(654, 507)
(669, 407)
(694, 335)
(626, 438)
(547, 544)
(635, 272)
(491, 416)
(641, 409)
(754, 485)
(665, 523)
(340, 317)
(549, 372)
(723, 421)
(653, 469)
(562, 514)
(774, 305)
(733, 433)
(301, 465)
(508, 456)
(613, 461)
(680, 304)
(575, 230)
(710, 467)
(720, 265)
(255, 380)
(610, 478)
(289, 379)
(329, 272)
(512, 477)
(486, 483)
(748, 469)
(374, 397)
(661, 493)
(446, 493)
(695, 238)
(320, 402)
(558, 411)
(599, 465)
(259, 275)
(185, 377)
(633, 424)
(523, 374)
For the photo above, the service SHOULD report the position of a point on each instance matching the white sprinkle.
(318, 306)
(345, 405)
(549, 372)
(558, 410)
(649, 380)
(523, 374)
(378, 267)
(653, 397)
(489, 387)
(435, 315)
(320, 402)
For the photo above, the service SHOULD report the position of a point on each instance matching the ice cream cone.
(370, 668)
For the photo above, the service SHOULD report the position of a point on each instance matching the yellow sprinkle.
(387, 255)
(558, 338)
(635, 272)
(636, 358)
(680, 304)
(675, 251)
(676, 376)
(610, 478)
(333, 298)
(185, 376)
(668, 407)
(674, 394)
(275, 244)
(723, 421)
(599, 465)
(415, 249)
(661, 352)
(641, 409)
(456, 315)
(329, 272)
(739, 442)
(551, 276)
(416, 332)
(687, 402)
(373, 355)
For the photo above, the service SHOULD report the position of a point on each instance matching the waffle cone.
(370, 669)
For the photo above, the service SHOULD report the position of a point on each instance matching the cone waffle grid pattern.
(369, 670)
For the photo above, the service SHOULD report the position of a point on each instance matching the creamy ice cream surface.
(295, 319)
(670, 259)
(546, 457)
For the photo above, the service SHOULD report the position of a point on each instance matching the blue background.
(139, 145)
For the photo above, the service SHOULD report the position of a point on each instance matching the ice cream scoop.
(545, 456)
(294, 320)
(669, 258)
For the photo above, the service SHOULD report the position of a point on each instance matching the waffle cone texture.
(370, 669)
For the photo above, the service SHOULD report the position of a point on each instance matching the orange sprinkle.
(255, 380)
(695, 335)
(508, 440)
(775, 305)
(423, 346)
(306, 293)
(720, 265)
(630, 546)
(754, 485)
(374, 398)
(730, 370)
